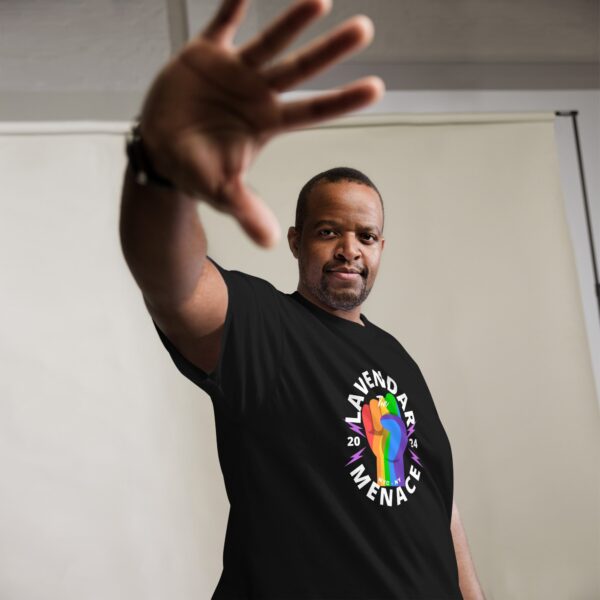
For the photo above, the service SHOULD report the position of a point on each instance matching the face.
(342, 229)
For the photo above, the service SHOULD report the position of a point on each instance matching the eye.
(322, 230)
(370, 236)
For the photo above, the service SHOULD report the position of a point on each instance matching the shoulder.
(393, 342)
(239, 281)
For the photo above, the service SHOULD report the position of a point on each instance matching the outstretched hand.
(212, 107)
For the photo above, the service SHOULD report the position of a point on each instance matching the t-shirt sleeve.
(251, 345)
(444, 472)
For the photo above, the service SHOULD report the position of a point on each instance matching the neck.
(350, 315)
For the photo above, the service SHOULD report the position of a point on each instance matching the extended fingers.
(222, 27)
(355, 33)
(254, 216)
(281, 32)
(301, 113)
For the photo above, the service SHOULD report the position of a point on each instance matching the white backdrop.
(111, 484)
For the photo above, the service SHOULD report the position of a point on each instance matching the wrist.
(142, 165)
(390, 472)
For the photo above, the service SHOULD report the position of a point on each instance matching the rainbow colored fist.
(387, 436)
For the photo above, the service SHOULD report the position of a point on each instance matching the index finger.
(281, 32)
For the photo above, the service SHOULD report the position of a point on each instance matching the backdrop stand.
(573, 114)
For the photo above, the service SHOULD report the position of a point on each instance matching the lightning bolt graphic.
(356, 428)
(415, 458)
(355, 456)
(410, 431)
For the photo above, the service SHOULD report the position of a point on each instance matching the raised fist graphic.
(387, 436)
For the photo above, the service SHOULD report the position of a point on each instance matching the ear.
(293, 240)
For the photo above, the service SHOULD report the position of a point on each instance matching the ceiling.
(61, 55)
(471, 31)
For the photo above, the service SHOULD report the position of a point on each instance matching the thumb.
(254, 216)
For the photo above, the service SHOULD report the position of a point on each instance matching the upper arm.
(228, 338)
(196, 326)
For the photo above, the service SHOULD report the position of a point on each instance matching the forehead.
(345, 201)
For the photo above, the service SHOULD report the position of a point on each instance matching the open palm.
(213, 107)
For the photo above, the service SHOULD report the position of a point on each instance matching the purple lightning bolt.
(355, 456)
(410, 431)
(356, 428)
(415, 458)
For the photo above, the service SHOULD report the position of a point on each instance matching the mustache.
(363, 271)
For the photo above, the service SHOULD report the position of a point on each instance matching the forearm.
(163, 241)
(469, 584)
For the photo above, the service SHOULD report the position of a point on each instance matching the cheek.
(312, 267)
(312, 259)
(310, 263)
(373, 268)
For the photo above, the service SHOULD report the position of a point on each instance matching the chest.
(357, 411)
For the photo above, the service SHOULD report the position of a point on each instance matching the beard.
(342, 296)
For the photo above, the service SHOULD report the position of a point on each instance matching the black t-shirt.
(311, 411)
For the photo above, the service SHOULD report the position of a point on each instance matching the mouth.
(344, 274)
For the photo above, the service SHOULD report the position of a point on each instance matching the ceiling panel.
(95, 58)
(459, 31)
(81, 46)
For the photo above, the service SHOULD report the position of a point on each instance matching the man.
(336, 465)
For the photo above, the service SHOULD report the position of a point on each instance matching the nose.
(348, 248)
